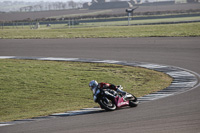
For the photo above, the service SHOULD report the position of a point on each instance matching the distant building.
(109, 4)
(187, 1)
(180, 1)
(193, 1)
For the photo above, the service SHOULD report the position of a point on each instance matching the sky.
(57, 0)
(47, 0)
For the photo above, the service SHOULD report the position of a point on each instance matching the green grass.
(145, 21)
(172, 30)
(30, 88)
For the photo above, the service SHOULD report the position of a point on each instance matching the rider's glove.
(95, 95)
(95, 98)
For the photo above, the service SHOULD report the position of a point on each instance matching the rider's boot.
(119, 89)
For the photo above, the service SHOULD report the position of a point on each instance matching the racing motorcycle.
(111, 100)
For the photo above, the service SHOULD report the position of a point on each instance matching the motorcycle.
(111, 100)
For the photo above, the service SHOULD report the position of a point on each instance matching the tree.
(72, 4)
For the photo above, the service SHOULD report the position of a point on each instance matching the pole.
(129, 18)
(130, 13)
(69, 23)
(2, 25)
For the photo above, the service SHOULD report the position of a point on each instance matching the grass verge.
(169, 30)
(37, 88)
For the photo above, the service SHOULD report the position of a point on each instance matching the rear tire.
(134, 103)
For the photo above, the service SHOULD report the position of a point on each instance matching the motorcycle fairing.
(119, 101)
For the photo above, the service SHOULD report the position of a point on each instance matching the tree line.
(46, 6)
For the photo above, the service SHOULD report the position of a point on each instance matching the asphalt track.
(174, 114)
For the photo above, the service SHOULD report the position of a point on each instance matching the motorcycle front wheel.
(107, 104)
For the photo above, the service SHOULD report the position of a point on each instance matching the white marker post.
(130, 13)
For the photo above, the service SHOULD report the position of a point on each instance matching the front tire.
(107, 104)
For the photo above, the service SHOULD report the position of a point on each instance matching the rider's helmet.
(93, 84)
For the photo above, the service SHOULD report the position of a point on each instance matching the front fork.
(110, 96)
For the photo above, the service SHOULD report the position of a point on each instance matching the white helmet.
(93, 84)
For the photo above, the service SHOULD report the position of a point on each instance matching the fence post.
(2, 25)
(69, 23)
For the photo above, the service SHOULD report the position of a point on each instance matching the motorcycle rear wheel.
(133, 103)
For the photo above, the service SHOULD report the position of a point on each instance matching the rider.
(94, 85)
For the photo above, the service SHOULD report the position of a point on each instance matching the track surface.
(174, 114)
